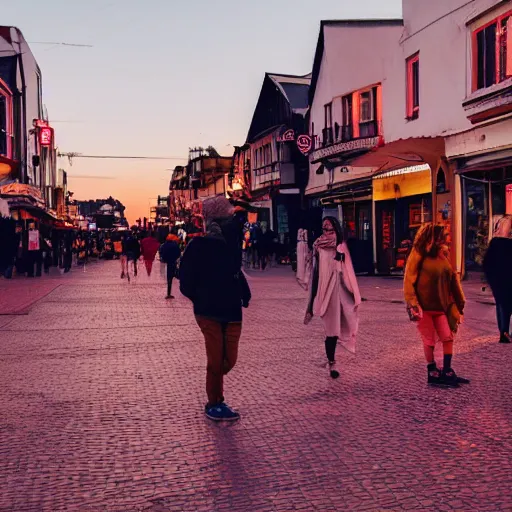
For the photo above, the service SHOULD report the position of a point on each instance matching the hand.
(308, 318)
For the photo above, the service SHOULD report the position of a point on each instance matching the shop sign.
(304, 143)
(344, 147)
(45, 136)
(288, 135)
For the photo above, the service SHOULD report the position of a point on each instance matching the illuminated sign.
(287, 136)
(304, 143)
(45, 136)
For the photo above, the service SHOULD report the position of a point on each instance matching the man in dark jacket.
(211, 277)
(169, 254)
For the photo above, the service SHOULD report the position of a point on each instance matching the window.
(367, 108)
(6, 121)
(328, 115)
(492, 53)
(368, 126)
(328, 132)
(413, 87)
(347, 132)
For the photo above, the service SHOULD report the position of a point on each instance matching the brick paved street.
(102, 389)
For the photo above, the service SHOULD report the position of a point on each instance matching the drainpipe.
(23, 123)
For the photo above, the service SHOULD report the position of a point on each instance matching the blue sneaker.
(229, 414)
(221, 412)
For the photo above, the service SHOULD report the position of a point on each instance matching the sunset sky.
(163, 75)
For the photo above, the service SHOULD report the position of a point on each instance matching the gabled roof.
(294, 88)
(391, 22)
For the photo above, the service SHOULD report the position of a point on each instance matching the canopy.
(404, 153)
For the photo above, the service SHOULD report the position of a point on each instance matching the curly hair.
(428, 239)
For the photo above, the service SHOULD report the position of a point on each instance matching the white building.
(445, 107)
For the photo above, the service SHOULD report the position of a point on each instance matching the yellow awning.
(399, 185)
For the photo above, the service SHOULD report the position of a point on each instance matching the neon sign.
(45, 136)
(304, 143)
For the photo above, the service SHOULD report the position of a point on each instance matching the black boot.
(449, 378)
(434, 375)
(505, 338)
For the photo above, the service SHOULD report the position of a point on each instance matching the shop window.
(413, 87)
(492, 52)
(441, 182)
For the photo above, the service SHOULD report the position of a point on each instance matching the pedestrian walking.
(303, 259)
(149, 248)
(130, 252)
(334, 293)
(170, 254)
(498, 271)
(435, 300)
(211, 277)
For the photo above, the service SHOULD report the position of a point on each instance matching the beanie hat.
(216, 208)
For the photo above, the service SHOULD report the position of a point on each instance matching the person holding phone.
(435, 301)
(334, 292)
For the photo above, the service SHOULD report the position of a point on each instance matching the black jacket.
(498, 269)
(170, 253)
(211, 278)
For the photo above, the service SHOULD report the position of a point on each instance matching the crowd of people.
(212, 278)
(210, 269)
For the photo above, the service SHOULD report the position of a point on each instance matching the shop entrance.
(357, 226)
(397, 223)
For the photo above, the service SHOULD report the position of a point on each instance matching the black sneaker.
(449, 379)
(333, 370)
(434, 377)
(461, 380)
(505, 338)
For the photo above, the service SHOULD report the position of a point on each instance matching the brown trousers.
(221, 340)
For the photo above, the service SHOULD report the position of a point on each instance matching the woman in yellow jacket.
(435, 300)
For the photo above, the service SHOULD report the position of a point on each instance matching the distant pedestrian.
(498, 270)
(211, 277)
(170, 254)
(130, 252)
(334, 294)
(149, 248)
(435, 301)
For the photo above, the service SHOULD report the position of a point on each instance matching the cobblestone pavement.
(102, 388)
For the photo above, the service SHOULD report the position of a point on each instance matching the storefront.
(486, 195)
(403, 202)
(352, 206)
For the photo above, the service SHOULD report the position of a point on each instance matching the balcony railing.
(327, 136)
(265, 176)
(368, 129)
(347, 133)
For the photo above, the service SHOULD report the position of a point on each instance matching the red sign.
(287, 136)
(45, 136)
(304, 143)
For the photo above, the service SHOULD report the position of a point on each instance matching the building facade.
(28, 159)
(278, 168)
(206, 175)
(442, 82)
(346, 120)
